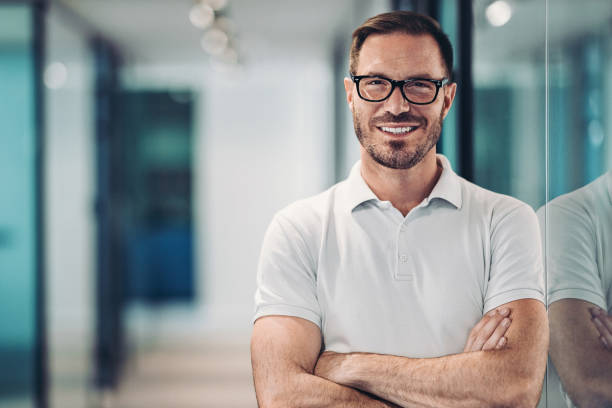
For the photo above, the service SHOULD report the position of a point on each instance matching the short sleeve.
(286, 275)
(571, 255)
(516, 270)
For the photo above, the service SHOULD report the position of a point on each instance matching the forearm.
(476, 379)
(582, 361)
(597, 394)
(302, 389)
(509, 377)
(589, 381)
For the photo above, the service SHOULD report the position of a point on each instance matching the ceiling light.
(225, 24)
(229, 56)
(201, 15)
(214, 41)
(217, 4)
(55, 75)
(498, 13)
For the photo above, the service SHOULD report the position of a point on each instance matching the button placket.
(404, 267)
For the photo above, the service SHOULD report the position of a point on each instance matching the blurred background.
(146, 144)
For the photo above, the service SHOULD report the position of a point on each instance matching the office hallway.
(187, 373)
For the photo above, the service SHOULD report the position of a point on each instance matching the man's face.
(394, 132)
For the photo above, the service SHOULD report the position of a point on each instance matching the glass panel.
(509, 98)
(17, 208)
(577, 220)
(69, 194)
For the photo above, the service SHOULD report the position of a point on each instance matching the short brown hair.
(404, 22)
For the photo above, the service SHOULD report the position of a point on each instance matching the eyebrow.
(380, 74)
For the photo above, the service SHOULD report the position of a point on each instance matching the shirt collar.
(358, 192)
(447, 188)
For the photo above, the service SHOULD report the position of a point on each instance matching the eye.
(376, 81)
(421, 84)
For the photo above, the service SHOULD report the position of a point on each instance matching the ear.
(349, 88)
(449, 97)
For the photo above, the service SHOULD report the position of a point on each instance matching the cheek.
(365, 113)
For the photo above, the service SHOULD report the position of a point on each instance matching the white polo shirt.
(376, 281)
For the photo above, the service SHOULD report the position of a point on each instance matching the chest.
(418, 282)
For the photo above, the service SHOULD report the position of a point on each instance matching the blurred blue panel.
(160, 264)
(593, 103)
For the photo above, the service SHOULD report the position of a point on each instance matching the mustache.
(388, 117)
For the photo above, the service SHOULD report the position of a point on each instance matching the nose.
(396, 103)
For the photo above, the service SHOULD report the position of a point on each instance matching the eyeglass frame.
(439, 83)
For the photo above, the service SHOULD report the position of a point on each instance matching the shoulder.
(585, 200)
(494, 206)
(582, 208)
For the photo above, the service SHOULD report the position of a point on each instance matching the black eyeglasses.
(419, 91)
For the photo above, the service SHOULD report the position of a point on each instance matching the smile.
(398, 130)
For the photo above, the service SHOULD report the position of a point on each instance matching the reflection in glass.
(577, 223)
(509, 98)
(579, 237)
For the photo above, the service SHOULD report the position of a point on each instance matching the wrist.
(352, 371)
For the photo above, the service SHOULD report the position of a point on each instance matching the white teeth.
(396, 130)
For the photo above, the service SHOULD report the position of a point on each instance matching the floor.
(185, 374)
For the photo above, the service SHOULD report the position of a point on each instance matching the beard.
(397, 154)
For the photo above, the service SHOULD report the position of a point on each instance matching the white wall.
(69, 217)
(265, 140)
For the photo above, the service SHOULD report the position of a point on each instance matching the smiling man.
(404, 285)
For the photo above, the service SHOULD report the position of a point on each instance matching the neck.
(404, 188)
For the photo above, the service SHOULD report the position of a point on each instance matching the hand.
(603, 323)
(331, 366)
(488, 334)
(328, 366)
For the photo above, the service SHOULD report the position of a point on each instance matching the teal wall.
(17, 202)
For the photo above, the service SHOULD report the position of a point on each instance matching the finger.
(486, 331)
(501, 343)
(605, 334)
(475, 332)
(605, 343)
(606, 321)
(504, 311)
(497, 334)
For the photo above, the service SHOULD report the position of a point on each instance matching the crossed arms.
(502, 365)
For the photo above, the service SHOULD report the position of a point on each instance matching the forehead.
(400, 54)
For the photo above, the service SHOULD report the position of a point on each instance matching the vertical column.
(22, 332)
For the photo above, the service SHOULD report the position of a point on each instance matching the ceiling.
(526, 33)
(159, 31)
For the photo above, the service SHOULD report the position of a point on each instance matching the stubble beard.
(396, 154)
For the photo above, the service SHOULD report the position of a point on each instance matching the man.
(418, 287)
(578, 230)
